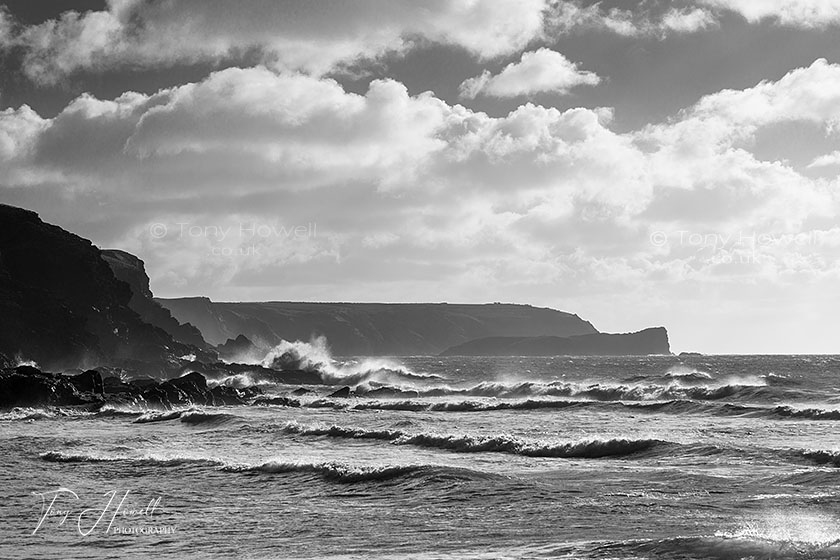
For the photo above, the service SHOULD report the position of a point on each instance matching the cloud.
(804, 94)
(702, 153)
(309, 37)
(6, 27)
(407, 177)
(18, 129)
(539, 71)
(687, 20)
(800, 13)
(642, 20)
(827, 160)
(413, 195)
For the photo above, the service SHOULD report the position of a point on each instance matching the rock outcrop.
(28, 386)
(62, 306)
(241, 349)
(132, 270)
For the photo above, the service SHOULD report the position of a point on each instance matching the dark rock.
(33, 371)
(186, 390)
(240, 348)
(301, 391)
(222, 395)
(145, 382)
(29, 386)
(342, 393)
(193, 382)
(114, 385)
(390, 392)
(89, 382)
(278, 401)
(61, 304)
(132, 270)
(192, 389)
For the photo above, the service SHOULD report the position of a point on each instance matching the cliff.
(65, 303)
(372, 328)
(132, 271)
(62, 306)
(648, 341)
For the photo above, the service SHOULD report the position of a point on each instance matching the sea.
(677, 457)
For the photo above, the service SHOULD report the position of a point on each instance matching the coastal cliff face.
(645, 342)
(65, 304)
(372, 329)
(61, 304)
(132, 270)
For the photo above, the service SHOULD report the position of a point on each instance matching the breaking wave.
(333, 471)
(342, 472)
(188, 416)
(822, 457)
(315, 357)
(606, 392)
(586, 449)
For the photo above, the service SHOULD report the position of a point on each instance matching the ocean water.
(635, 457)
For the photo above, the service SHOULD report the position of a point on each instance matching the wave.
(158, 416)
(585, 449)
(606, 391)
(150, 460)
(821, 457)
(241, 380)
(806, 413)
(489, 404)
(187, 416)
(315, 357)
(679, 374)
(199, 417)
(47, 413)
(61, 457)
(722, 546)
(812, 477)
(111, 411)
(332, 471)
(674, 406)
(342, 472)
(26, 414)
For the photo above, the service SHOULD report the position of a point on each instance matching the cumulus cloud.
(425, 180)
(827, 160)
(539, 71)
(318, 38)
(701, 153)
(413, 195)
(311, 37)
(802, 13)
(805, 94)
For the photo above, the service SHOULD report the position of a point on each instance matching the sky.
(637, 163)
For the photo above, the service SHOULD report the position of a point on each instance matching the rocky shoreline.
(28, 386)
